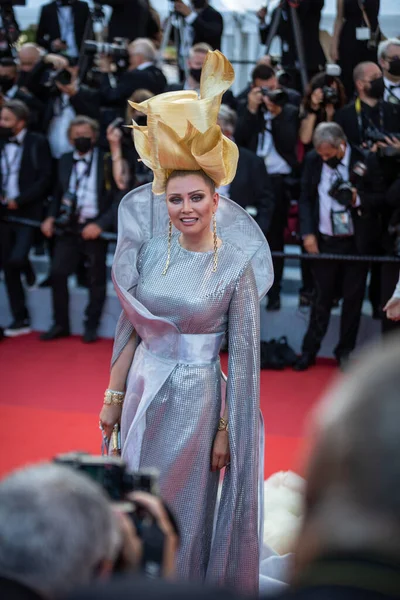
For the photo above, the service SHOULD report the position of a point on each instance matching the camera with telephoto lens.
(117, 49)
(69, 214)
(278, 97)
(342, 191)
(111, 473)
(372, 136)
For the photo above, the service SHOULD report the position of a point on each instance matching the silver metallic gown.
(173, 397)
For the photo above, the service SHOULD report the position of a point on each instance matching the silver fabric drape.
(173, 397)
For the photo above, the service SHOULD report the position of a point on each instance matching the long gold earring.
(169, 248)
(215, 236)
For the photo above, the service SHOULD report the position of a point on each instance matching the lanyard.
(360, 116)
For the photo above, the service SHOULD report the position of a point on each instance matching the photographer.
(269, 127)
(202, 22)
(325, 95)
(25, 175)
(62, 25)
(10, 90)
(83, 206)
(142, 73)
(130, 19)
(339, 197)
(389, 60)
(29, 56)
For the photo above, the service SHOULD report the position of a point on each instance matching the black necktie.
(16, 142)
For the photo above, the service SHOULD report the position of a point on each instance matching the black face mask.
(394, 67)
(6, 83)
(196, 74)
(333, 162)
(83, 144)
(376, 89)
(6, 133)
(198, 4)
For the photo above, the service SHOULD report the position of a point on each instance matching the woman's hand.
(220, 456)
(109, 416)
(392, 309)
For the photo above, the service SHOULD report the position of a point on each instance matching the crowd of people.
(67, 159)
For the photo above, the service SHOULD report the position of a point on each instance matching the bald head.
(353, 492)
(363, 74)
(28, 55)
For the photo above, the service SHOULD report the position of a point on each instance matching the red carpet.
(51, 394)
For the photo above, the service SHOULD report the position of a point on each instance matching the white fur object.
(283, 510)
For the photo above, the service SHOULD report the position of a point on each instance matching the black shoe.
(90, 335)
(287, 353)
(18, 327)
(29, 273)
(274, 304)
(270, 357)
(304, 362)
(54, 333)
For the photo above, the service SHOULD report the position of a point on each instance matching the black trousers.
(276, 232)
(16, 242)
(352, 277)
(68, 250)
(389, 279)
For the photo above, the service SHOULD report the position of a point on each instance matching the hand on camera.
(182, 8)
(58, 62)
(58, 45)
(71, 89)
(47, 227)
(310, 244)
(254, 100)
(91, 231)
(392, 309)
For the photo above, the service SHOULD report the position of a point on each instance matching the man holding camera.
(202, 23)
(389, 60)
(269, 126)
(10, 90)
(62, 26)
(339, 194)
(83, 207)
(25, 173)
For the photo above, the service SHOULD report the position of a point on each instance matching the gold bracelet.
(222, 425)
(114, 397)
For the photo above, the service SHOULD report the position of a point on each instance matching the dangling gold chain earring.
(215, 236)
(169, 248)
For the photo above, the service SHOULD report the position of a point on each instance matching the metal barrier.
(112, 237)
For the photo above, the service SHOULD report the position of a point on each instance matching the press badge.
(342, 224)
(363, 34)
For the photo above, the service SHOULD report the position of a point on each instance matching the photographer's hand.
(91, 231)
(58, 62)
(392, 309)
(47, 227)
(71, 89)
(182, 8)
(310, 244)
(57, 45)
(393, 142)
(254, 100)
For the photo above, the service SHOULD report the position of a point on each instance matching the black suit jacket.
(130, 19)
(34, 176)
(285, 129)
(49, 28)
(347, 118)
(11, 590)
(208, 27)
(107, 196)
(371, 192)
(252, 187)
(151, 78)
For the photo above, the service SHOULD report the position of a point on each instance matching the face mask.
(196, 74)
(198, 4)
(333, 162)
(6, 83)
(83, 144)
(6, 133)
(376, 89)
(394, 67)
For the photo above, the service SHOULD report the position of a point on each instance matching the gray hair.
(384, 46)
(353, 483)
(145, 48)
(56, 528)
(227, 117)
(328, 133)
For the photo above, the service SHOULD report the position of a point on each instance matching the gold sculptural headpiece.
(182, 132)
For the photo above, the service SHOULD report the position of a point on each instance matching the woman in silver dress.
(190, 266)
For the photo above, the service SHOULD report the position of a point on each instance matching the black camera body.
(114, 50)
(278, 97)
(69, 214)
(330, 95)
(342, 191)
(373, 136)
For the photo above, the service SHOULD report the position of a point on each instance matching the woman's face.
(191, 204)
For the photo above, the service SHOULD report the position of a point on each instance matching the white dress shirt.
(326, 202)
(392, 91)
(57, 135)
(275, 163)
(87, 204)
(67, 28)
(11, 92)
(10, 166)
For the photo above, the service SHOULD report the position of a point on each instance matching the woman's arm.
(309, 122)
(120, 168)
(334, 49)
